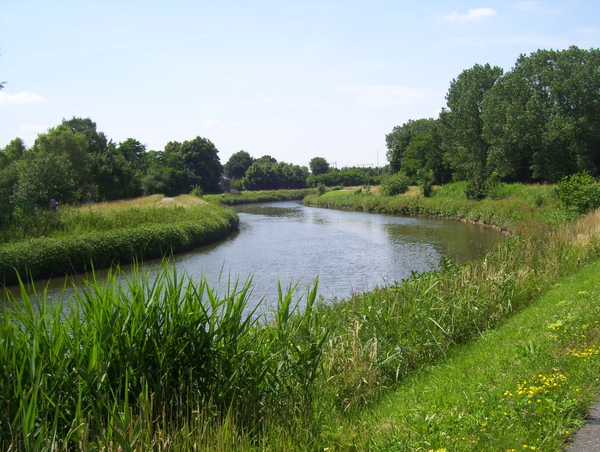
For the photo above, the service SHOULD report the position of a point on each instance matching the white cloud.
(472, 14)
(20, 98)
(386, 95)
(211, 123)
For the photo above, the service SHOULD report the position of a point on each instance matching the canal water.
(347, 251)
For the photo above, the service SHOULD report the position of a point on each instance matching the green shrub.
(578, 193)
(321, 188)
(475, 189)
(425, 180)
(393, 185)
(197, 191)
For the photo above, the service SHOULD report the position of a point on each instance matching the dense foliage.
(538, 122)
(269, 175)
(74, 163)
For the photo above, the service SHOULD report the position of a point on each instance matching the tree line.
(75, 163)
(538, 122)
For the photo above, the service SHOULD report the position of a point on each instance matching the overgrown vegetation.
(122, 363)
(526, 385)
(298, 381)
(512, 208)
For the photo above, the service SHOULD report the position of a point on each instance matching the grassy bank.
(45, 244)
(524, 386)
(187, 369)
(511, 208)
(246, 197)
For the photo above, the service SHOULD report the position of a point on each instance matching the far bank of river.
(347, 251)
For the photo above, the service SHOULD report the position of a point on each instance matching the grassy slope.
(472, 400)
(513, 206)
(525, 385)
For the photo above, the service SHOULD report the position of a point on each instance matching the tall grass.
(102, 235)
(125, 359)
(393, 331)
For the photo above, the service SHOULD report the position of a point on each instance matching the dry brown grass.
(146, 201)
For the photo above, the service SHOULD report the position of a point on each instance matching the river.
(348, 251)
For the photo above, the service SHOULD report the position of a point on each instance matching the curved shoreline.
(509, 219)
(46, 257)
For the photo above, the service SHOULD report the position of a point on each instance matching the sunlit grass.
(77, 238)
(526, 385)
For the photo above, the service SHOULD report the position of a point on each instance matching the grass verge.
(526, 385)
(514, 207)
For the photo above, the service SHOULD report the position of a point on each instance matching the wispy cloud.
(20, 98)
(472, 14)
(386, 95)
(211, 123)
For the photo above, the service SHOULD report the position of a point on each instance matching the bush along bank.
(65, 253)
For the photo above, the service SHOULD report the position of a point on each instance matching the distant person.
(54, 204)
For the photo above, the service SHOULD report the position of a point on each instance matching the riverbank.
(513, 208)
(526, 385)
(186, 368)
(75, 239)
(246, 197)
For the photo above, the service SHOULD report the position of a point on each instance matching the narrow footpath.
(588, 438)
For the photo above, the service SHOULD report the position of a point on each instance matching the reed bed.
(121, 361)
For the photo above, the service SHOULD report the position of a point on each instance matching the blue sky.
(291, 79)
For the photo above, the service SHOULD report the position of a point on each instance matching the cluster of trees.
(74, 163)
(264, 173)
(537, 123)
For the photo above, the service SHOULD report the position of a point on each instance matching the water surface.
(348, 251)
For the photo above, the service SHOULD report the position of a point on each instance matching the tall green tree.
(318, 165)
(461, 123)
(46, 176)
(200, 164)
(238, 164)
(398, 140)
(542, 118)
(267, 175)
(62, 141)
(96, 141)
